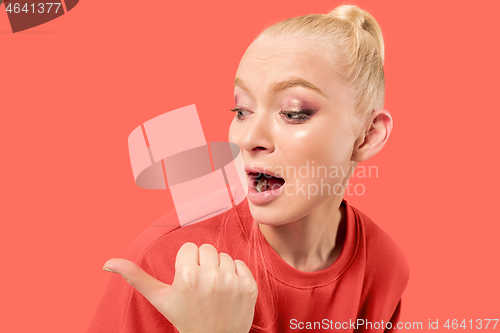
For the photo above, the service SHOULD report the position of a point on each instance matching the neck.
(313, 242)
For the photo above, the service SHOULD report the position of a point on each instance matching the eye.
(296, 117)
(240, 113)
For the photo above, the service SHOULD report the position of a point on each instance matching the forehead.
(269, 60)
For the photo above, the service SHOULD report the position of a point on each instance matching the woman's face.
(294, 120)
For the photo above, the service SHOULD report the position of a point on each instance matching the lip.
(262, 197)
(249, 169)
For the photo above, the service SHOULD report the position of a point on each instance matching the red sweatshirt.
(361, 291)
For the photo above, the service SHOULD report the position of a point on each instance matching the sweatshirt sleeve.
(123, 309)
(394, 320)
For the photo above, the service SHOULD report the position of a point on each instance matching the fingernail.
(108, 270)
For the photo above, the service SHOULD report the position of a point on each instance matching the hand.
(210, 292)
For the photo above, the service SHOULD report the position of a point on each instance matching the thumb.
(154, 290)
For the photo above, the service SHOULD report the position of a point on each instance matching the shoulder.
(198, 221)
(385, 261)
(162, 228)
(122, 308)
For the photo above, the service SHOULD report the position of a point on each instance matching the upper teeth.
(261, 185)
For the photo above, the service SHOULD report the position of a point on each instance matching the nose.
(257, 136)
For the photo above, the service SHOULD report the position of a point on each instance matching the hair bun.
(361, 20)
(364, 25)
(352, 14)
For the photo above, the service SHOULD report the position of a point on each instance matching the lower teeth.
(261, 185)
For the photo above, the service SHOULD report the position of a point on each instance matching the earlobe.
(374, 136)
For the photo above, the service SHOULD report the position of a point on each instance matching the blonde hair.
(353, 43)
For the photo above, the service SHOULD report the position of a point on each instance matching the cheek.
(323, 155)
(320, 145)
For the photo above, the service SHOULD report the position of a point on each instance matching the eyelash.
(304, 115)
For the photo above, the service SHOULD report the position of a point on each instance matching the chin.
(267, 215)
(292, 209)
(274, 214)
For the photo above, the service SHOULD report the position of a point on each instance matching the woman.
(308, 91)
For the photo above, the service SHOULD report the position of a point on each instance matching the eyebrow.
(283, 85)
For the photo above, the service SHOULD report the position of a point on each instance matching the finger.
(226, 262)
(153, 289)
(187, 255)
(242, 269)
(208, 255)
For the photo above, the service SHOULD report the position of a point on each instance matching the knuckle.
(253, 292)
(189, 245)
(222, 254)
(188, 274)
(249, 287)
(241, 265)
(207, 247)
(228, 280)
(131, 278)
(211, 278)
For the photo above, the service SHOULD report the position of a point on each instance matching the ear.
(374, 136)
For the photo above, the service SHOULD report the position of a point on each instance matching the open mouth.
(262, 182)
